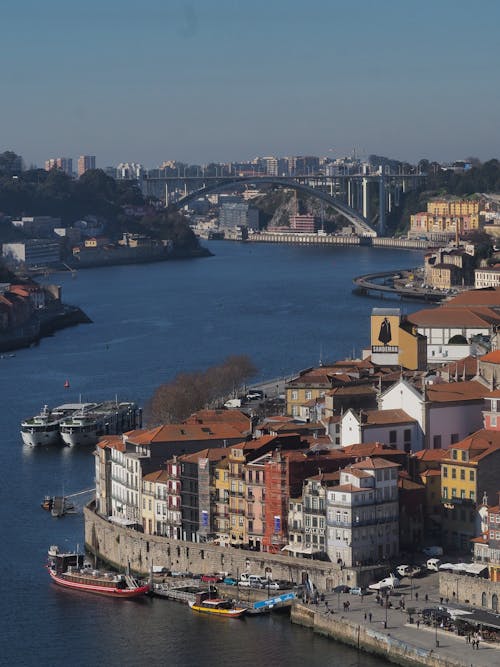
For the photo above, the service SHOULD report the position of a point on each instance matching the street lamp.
(436, 628)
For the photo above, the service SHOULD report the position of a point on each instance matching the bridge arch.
(362, 227)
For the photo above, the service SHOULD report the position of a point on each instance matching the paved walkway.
(451, 646)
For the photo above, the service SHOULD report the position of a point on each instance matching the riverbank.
(369, 628)
(43, 324)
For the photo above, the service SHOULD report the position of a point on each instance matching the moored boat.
(43, 429)
(217, 606)
(108, 418)
(69, 570)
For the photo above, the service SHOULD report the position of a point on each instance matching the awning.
(122, 522)
(300, 550)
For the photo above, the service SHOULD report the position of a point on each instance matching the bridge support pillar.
(166, 194)
(382, 204)
(366, 198)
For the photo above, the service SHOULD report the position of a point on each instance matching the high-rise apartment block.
(63, 163)
(85, 162)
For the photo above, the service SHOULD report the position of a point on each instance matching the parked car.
(433, 564)
(230, 581)
(356, 590)
(272, 585)
(233, 403)
(211, 578)
(341, 588)
(255, 395)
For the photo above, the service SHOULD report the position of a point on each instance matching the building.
(33, 252)
(446, 218)
(363, 514)
(446, 412)
(238, 214)
(450, 330)
(64, 164)
(305, 223)
(394, 427)
(395, 341)
(37, 226)
(85, 162)
(198, 505)
(487, 276)
(470, 470)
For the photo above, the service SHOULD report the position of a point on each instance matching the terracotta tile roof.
(409, 485)
(360, 474)
(431, 473)
(430, 454)
(491, 357)
(381, 417)
(494, 394)
(183, 432)
(156, 476)
(353, 390)
(235, 418)
(463, 317)
(326, 477)
(211, 453)
(480, 444)
(481, 297)
(349, 488)
(366, 449)
(455, 392)
(374, 464)
(112, 442)
(457, 367)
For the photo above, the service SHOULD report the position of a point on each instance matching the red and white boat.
(69, 570)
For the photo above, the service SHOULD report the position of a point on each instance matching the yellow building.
(447, 216)
(469, 472)
(309, 384)
(237, 485)
(222, 501)
(148, 504)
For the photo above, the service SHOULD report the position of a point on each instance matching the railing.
(239, 494)
(236, 510)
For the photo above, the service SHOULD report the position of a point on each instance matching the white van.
(433, 564)
(252, 581)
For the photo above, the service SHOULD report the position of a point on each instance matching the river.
(284, 306)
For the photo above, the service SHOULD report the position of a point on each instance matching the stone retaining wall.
(467, 589)
(367, 639)
(121, 547)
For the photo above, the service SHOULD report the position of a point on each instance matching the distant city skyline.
(213, 81)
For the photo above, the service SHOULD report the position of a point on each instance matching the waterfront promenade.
(400, 635)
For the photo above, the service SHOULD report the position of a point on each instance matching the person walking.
(370, 617)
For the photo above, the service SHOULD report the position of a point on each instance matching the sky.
(221, 80)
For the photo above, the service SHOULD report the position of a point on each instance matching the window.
(393, 437)
(453, 438)
(471, 495)
(308, 395)
(445, 492)
(445, 471)
(453, 493)
(436, 442)
(453, 473)
(462, 474)
(407, 434)
(493, 421)
(471, 475)
(462, 493)
(454, 454)
(295, 395)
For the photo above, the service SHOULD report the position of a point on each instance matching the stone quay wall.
(121, 547)
(368, 639)
(466, 589)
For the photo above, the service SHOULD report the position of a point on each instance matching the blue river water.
(284, 306)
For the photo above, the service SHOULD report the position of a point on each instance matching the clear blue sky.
(220, 80)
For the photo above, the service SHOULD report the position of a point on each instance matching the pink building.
(303, 223)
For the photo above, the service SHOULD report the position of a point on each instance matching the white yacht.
(43, 429)
(109, 418)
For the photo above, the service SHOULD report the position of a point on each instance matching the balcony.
(457, 501)
(236, 494)
(236, 510)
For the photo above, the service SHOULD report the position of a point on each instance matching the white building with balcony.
(363, 513)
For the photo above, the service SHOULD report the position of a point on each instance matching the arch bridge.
(362, 227)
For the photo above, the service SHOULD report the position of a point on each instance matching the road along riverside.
(122, 547)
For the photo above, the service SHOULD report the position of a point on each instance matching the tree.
(187, 392)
